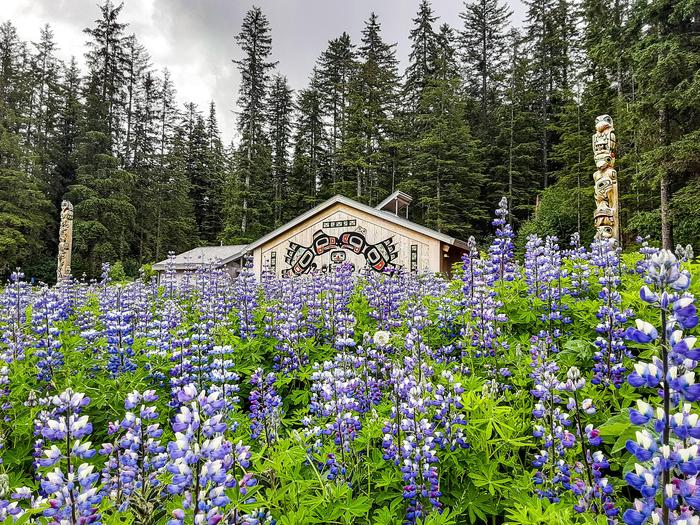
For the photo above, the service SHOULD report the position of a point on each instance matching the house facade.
(340, 230)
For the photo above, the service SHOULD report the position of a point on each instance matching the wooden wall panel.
(335, 221)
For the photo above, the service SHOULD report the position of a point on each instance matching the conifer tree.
(253, 194)
(483, 48)
(107, 61)
(372, 103)
(423, 48)
(448, 169)
(24, 208)
(549, 29)
(309, 181)
(68, 127)
(280, 109)
(335, 68)
(666, 59)
(104, 210)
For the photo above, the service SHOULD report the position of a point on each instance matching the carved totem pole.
(607, 214)
(65, 242)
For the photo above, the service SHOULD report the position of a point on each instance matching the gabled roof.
(340, 199)
(204, 255)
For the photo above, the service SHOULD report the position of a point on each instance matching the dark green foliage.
(372, 100)
(446, 159)
(478, 113)
(252, 194)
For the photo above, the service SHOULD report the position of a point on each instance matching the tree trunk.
(664, 192)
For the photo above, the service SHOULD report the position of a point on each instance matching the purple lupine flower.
(181, 370)
(222, 375)
(385, 292)
(501, 259)
(412, 438)
(666, 467)
(336, 298)
(608, 368)
(594, 492)
(553, 475)
(265, 407)
(288, 329)
(14, 301)
(136, 456)
(335, 408)
(485, 331)
(67, 479)
(118, 320)
(245, 297)
(47, 312)
(203, 463)
(199, 355)
(580, 269)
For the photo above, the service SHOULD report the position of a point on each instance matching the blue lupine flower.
(265, 407)
(69, 484)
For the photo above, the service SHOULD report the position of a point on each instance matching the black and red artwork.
(378, 256)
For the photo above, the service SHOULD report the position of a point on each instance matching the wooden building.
(227, 257)
(342, 230)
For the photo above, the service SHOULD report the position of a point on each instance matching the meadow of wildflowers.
(551, 386)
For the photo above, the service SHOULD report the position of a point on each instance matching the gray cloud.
(195, 39)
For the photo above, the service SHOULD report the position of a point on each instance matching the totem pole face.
(604, 232)
(604, 182)
(603, 122)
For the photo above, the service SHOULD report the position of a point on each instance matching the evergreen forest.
(483, 110)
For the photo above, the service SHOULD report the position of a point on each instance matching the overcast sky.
(194, 39)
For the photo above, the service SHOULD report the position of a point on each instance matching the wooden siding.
(344, 219)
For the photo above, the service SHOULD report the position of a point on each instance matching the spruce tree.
(372, 103)
(420, 60)
(107, 60)
(251, 200)
(102, 192)
(549, 29)
(280, 109)
(309, 182)
(336, 68)
(666, 59)
(484, 51)
(448, 170)
(24, 207)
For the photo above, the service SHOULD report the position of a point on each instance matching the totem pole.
(607, 214)
(65, 242)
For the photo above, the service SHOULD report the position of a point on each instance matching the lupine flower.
(666, 466)
(47, 312)
(288, 329)
(385, 292)
(611, 349)
(14, 301)
(118, 321)
(203, 463)
(68, 481)
(265, 407)
(421, 423)
(501, 265)
(580, 271)
(245, 298)
(335, 408)
(136, 457)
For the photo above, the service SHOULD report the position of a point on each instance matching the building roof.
(395, 202)
(204, 255)
(340, 199)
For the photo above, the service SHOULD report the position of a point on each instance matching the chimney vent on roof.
(397, 204)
